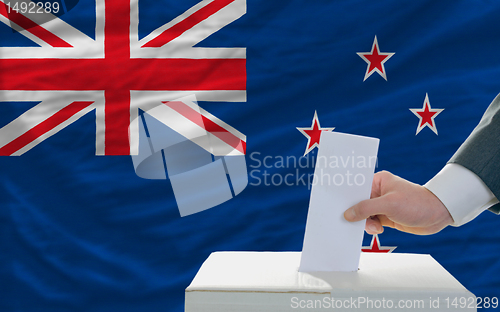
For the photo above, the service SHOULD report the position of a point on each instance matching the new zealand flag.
(81, 231)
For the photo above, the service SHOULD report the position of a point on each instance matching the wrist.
(443, 217)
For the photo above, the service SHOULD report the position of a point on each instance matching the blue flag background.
(83, 233)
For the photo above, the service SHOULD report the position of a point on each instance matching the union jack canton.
(115, 74)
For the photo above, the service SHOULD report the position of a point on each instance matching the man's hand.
(400, 204)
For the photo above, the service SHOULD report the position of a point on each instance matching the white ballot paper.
(343, 177)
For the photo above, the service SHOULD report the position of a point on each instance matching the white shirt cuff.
(462, 192)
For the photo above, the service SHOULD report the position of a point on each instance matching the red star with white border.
(313, 133)
(426, 116)
(375, 246)
(375, 60)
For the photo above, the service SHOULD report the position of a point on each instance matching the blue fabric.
(83, 233)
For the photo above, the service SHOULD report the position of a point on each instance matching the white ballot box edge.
(270, 281)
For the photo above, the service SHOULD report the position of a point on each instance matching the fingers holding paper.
(400, 204)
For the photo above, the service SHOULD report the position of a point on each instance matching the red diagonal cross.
(117, 74)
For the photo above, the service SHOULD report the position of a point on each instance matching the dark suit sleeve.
(480, 153)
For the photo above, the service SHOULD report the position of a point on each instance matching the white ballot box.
(271, 281)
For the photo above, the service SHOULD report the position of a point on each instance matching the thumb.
(367, 208)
